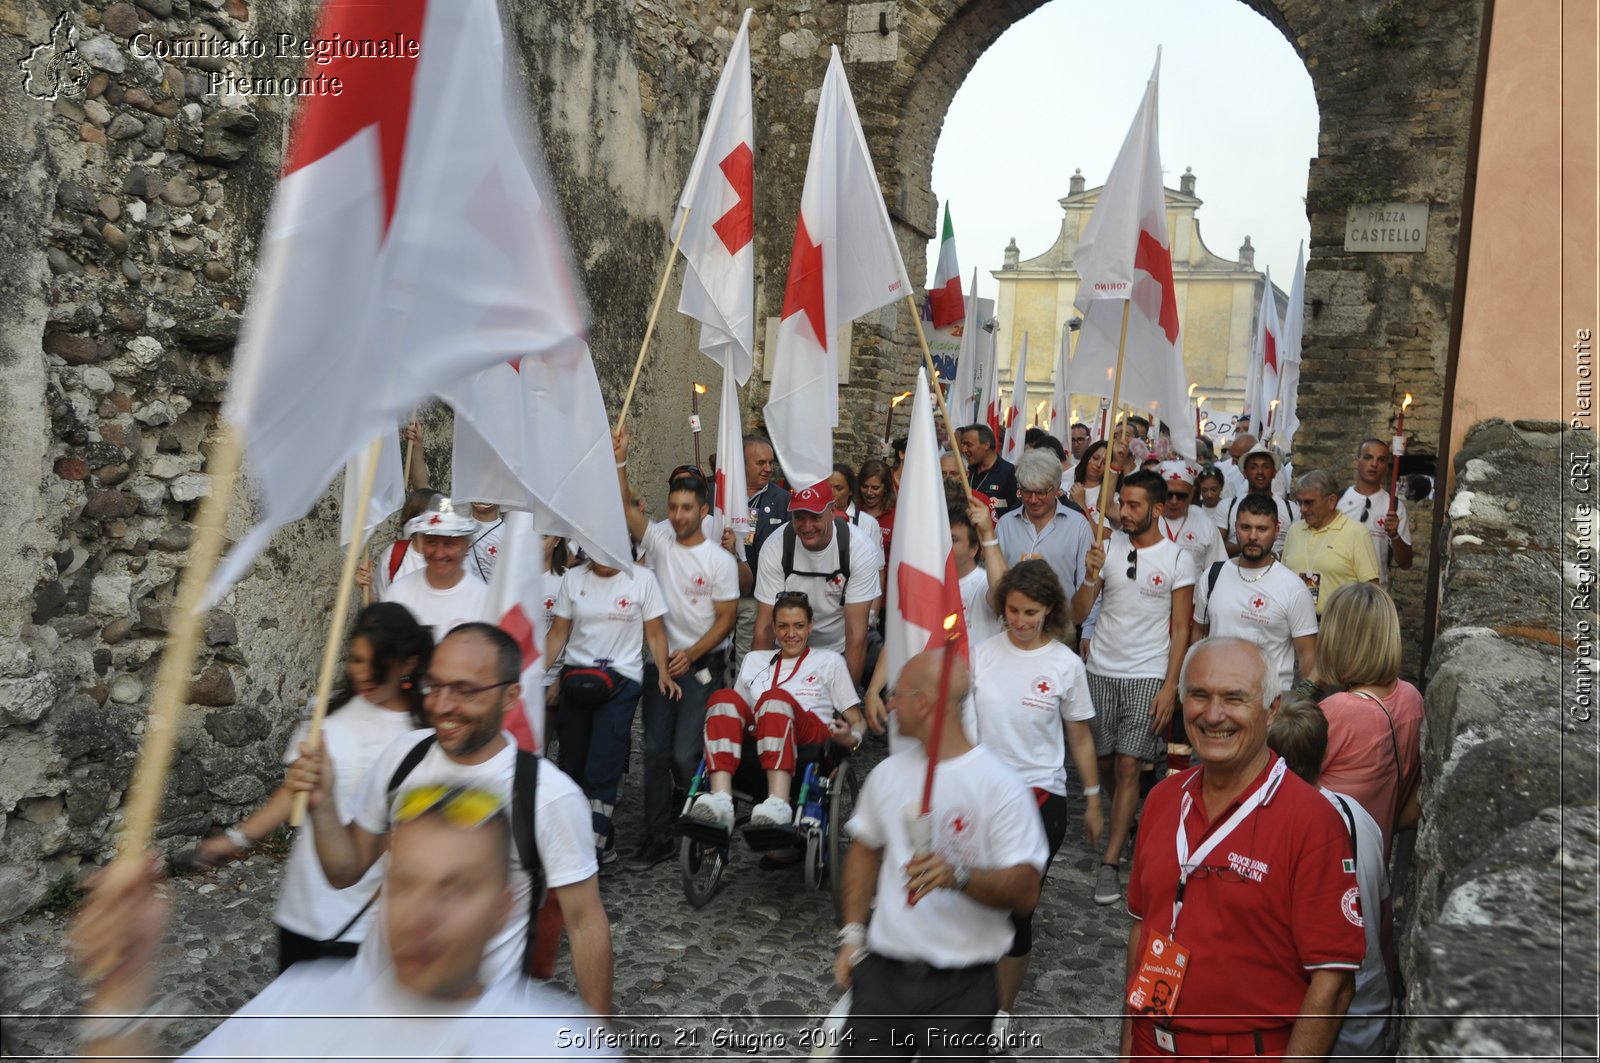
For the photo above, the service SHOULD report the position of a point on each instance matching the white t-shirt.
(1375, 507)
(486, 547)
(1025, 698)
(336, 1010)
(410, 561)
(1133, 635)
(828, 596)
(1218, 515)
(819, 681)
(692, 579)
(1362, 1033)
(440, 610)
(867, 523)
(307, 904)
(1197, 535)
(982, 623)
(563, 830)
(1271, 613)
(549, 588)
(608, 616)
(983, 818)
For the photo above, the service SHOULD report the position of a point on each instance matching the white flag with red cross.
(944, 298)
(1017, 411)
(532, 434)
(731, 496)
(845, 263)
(1287, 420)
(993, 406)
(1060, 398)
(924, 589)
(515, 606)
(1265, 358)
(1124, 259)
(410, 242)
(719, 281)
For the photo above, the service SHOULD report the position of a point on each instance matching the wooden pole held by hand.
(938, 394)
(655, 311)
(1108, 481)
(149, 782)
(341, 610)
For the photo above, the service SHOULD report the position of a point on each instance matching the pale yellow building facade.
(1218, 300)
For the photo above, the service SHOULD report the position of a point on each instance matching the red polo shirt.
(1287, 906)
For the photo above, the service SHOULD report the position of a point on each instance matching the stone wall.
(1501, 923)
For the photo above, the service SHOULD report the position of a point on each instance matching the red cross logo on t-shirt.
(1158, 580)
(549, 603)
(493, 550)
(958, 824)
(698, 581)
(624, 602)
(1189, 536)
(812, 678)
(1258, 602)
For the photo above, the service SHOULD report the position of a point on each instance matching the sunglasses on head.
(791, 596)
(461, 806)
(690, 472)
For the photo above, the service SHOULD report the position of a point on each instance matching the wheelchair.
(823, 798)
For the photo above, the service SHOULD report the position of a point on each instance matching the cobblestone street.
(745, 975)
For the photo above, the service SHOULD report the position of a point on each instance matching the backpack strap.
(841, 535)
(1350, 824)
(408, 764)
(788, 550)
(1211, 583)
(524, 818)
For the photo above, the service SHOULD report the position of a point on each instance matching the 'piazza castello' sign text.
(1387, 227)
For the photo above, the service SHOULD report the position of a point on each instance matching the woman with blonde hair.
(1375, 717)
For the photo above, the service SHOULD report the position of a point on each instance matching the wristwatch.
(963, 875)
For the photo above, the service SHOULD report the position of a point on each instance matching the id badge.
(1313, 582)
(1160, 976)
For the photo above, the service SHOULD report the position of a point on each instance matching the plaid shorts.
(1122, 716)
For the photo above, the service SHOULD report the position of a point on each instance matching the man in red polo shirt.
(1243, 886)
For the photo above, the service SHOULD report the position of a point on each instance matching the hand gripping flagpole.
(149, 782)
(341, 610)
(650, 326)
(938, 394)
(1108, 481)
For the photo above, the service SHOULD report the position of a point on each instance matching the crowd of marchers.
(1200, 658)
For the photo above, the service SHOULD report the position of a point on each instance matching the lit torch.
(888, 422)
(694, 418)
(1396, 449)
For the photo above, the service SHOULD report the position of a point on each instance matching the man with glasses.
(1240, 866)
(1045, 528)
(1144, 584)
(470, 683)
(700, 582)
(1367, 502)
(1326, 548)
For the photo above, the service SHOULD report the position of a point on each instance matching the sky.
(1058, 91)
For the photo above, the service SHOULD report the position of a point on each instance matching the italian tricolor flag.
(944, 298)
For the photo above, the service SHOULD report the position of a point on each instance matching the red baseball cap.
(814, 499)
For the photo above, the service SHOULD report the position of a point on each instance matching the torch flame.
(898, 399)
(1407, 403)
(1201, 401)
(1039, 409)
(1273, 405)
(699, 389)
(950, 622)
(1191, 389)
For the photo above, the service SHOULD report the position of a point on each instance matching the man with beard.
(700, 584)
(470, 682)
(1261, 466)
(1255, 597)
(1367, 502)
(1146, 594)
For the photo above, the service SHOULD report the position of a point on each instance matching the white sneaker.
(714, 808)
(773, 812)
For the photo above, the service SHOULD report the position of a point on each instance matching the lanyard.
(1165, 524)
(777, 669)
(1186, 863)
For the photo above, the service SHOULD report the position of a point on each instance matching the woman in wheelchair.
(795, 697)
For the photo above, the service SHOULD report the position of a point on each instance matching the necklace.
(1259, 578)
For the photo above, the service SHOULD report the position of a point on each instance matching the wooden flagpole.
(655, 310)
(1108, 482)
(149, 782)
(341, 610)
(938, 395)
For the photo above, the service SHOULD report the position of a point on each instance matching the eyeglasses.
(1133, 563)
(1222, 874)
(461, 806)
(456, 691)
(1308, 501)
(1028, 492)
(1366, 510)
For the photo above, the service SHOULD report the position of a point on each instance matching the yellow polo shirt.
(1327, 558)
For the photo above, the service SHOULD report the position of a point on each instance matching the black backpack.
(524, 813)
(841, 535)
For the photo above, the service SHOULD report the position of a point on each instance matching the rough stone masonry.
(132, 213)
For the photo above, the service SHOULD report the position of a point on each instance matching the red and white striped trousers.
(779, 724)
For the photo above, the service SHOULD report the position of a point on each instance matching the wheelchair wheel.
(816, 859)
(701, 866)
(841, 806)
